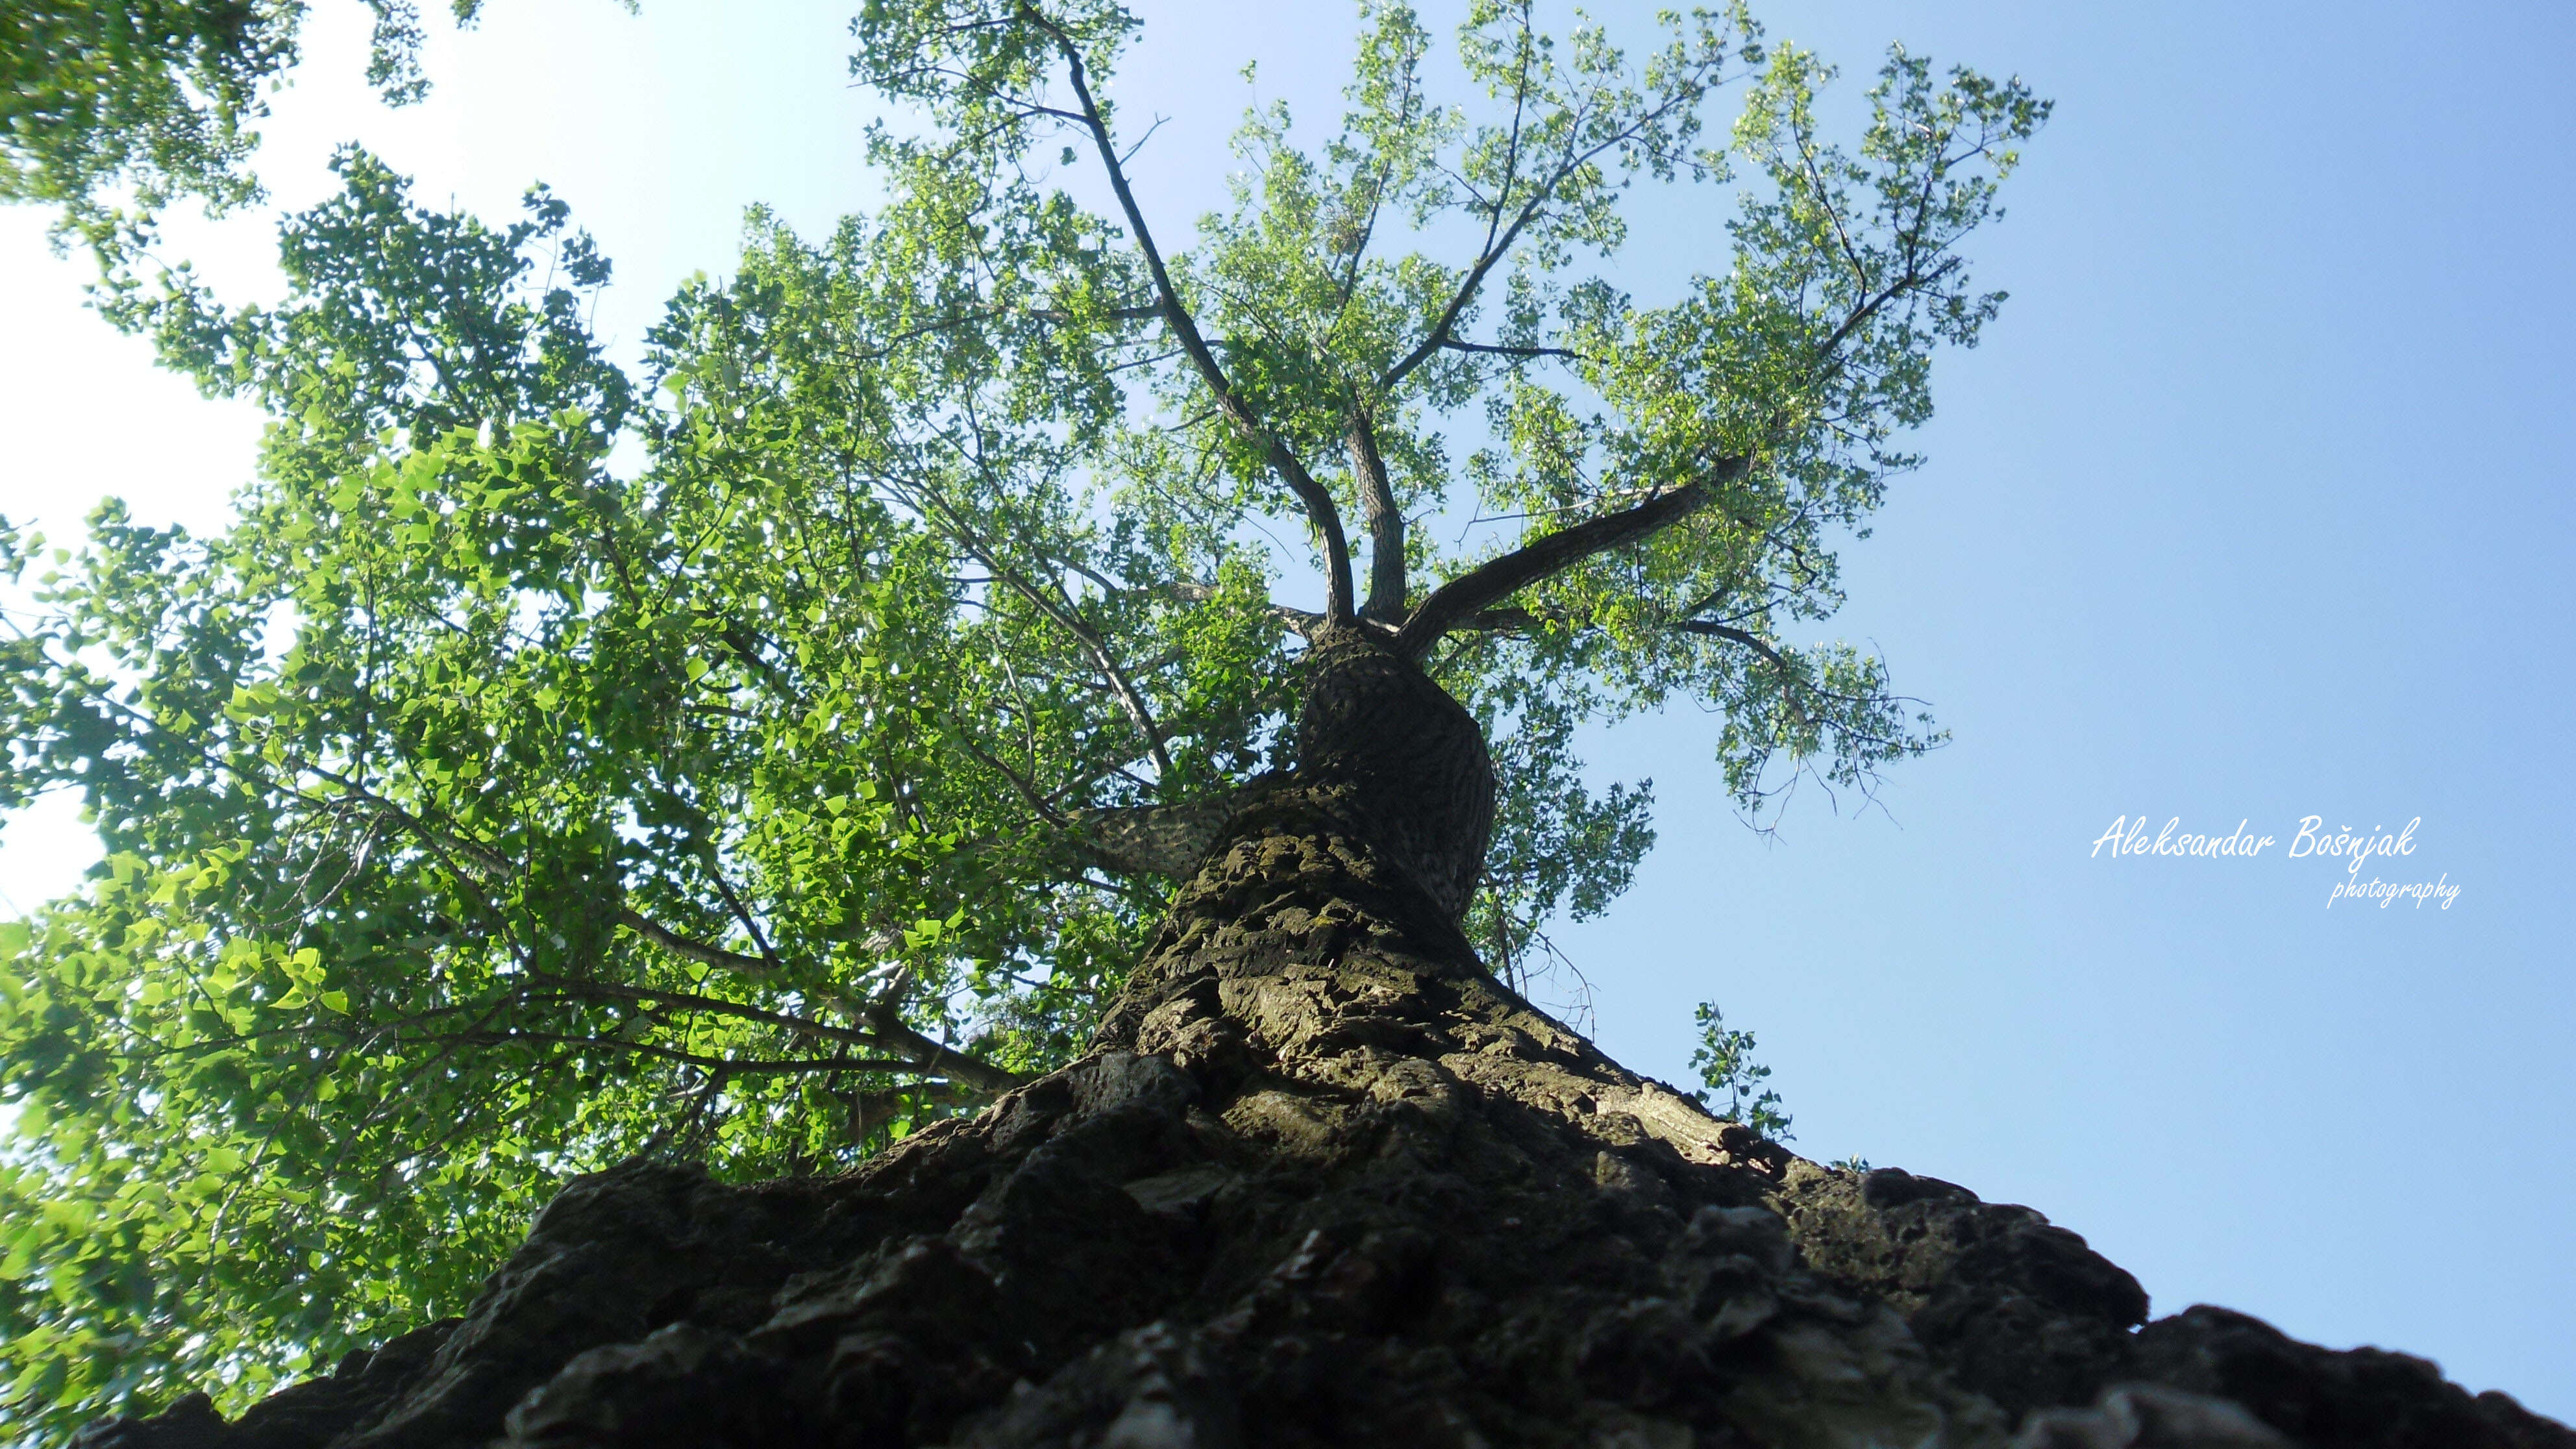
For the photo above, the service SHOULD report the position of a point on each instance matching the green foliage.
(1724, 1061)
(557, 762)
(157, 99)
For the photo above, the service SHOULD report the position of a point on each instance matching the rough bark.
(1324, 1181)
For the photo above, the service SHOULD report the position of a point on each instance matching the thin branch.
(1027, 791)
(687, 949)
(1499, 621)
(885, 347)
(714, 1064)
(1729, 632)
(1454, 345)
(1815, 179)
(1787, 674)
(1825, 360)
(1499, 244)
(752, 967)
(1318, 501)
(741, 913)
(1129, 697)
(888, 1028)
(1304, 623)
(941, 1059)
(1141, 140)
(801, 1026)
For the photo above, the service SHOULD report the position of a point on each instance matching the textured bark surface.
(1325, 1182)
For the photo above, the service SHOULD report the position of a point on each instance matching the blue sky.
(2251, 507)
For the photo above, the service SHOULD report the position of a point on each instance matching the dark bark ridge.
(1324, 1181)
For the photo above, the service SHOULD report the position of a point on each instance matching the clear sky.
(2252, 507)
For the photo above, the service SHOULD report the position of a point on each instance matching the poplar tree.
(762, 752)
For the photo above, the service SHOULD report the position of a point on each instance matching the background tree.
(758, 757)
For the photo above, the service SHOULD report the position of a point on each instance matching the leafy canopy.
(758, 752)
(110, 112)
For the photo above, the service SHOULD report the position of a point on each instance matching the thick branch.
(1168, 840)
(1471, 593)
(1318, 502)
(1387, 586)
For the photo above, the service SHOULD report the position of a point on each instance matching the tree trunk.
(1324, 1181)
